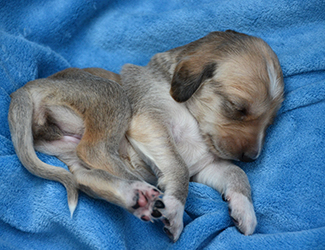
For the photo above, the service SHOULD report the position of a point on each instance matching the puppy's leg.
(232, 183)
(136, 196)
(153, 143)
(101, 173)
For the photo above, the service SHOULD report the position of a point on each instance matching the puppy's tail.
(20, 124)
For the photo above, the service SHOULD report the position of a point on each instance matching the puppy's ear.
(188, 76)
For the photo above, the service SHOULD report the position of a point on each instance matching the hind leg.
(113, 183)
(110, 181)
(107, 177)
(136, 196)
(89, 146)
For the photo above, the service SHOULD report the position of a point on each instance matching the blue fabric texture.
(39, 38)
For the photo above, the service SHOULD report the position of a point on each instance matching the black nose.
(248, 157)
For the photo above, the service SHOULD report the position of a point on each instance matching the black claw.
(159, 204)
(224, 197)
(155, 213)
(235, 221)
(170, 235)
(166, 222)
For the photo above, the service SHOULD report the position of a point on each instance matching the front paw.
(172, 217)
(242, 212)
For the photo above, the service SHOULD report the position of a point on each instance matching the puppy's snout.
(250, 151)
(245, 149)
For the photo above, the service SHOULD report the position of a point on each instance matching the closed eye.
(235, 109)
(240, 111)
(241, 114)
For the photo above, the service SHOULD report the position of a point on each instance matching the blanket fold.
(39, 38)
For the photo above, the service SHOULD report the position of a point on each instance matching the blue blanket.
(39, 38)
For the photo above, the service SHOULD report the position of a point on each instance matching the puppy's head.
(233, 85)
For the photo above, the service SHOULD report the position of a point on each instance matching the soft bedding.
(39, 38)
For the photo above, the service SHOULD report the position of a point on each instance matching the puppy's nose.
(249, 157)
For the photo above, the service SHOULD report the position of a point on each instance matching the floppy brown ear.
(188, 76)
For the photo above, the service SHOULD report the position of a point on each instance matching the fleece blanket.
(39, 38)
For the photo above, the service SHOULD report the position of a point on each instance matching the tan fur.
(184, 115)
(104, 74)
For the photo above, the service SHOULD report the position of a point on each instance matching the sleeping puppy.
(183, 116)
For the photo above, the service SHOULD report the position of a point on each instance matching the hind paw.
(146, 202)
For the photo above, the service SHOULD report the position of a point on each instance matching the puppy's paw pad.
(140, 199)
(146, 201)
(145, 218)
(241, 211)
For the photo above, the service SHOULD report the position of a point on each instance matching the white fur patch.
(174, 213)
(275, 87)
(242, 211)
(72, 207)
(188, 139)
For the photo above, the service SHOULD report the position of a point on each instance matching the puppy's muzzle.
(241, 149)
